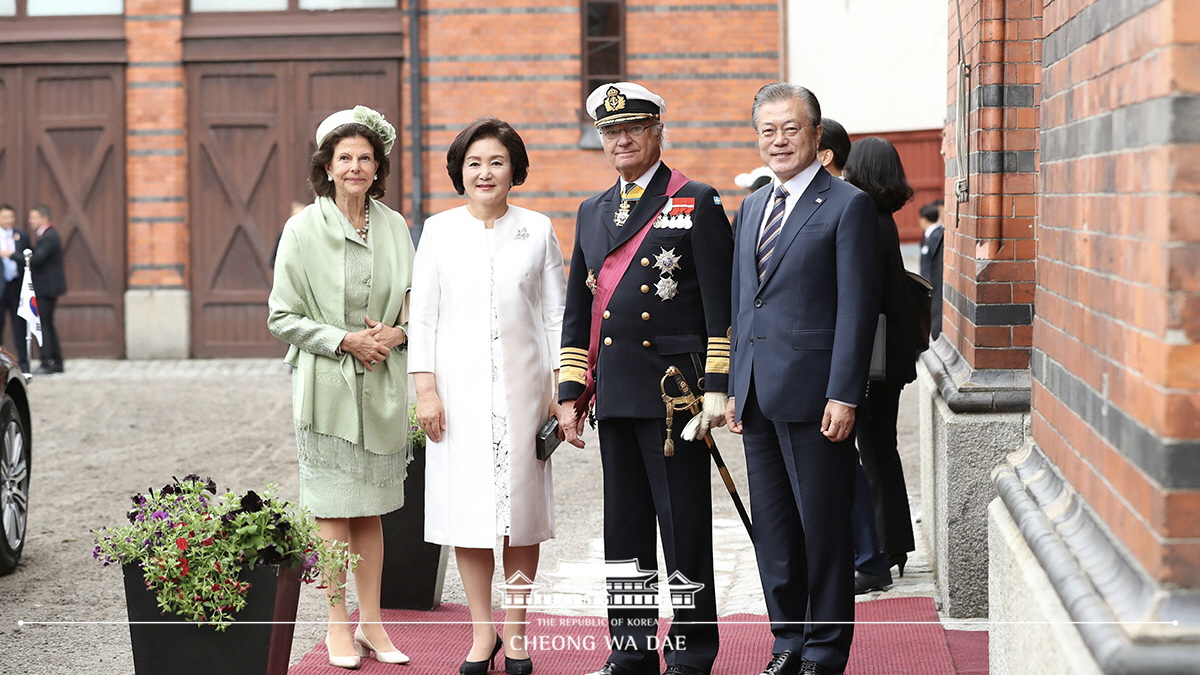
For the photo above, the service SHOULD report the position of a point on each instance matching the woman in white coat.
(486, 316)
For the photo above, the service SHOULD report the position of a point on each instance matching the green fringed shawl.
(310, 281)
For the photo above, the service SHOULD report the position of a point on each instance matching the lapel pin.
(819, 200)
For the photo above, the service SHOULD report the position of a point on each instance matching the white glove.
(711, 415)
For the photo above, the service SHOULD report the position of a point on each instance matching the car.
(16, 445)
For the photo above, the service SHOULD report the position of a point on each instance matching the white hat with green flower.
(363, 115)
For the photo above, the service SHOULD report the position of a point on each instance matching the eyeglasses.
(635, 131)
(768, 134)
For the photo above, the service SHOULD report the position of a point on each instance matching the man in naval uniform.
(649, 289)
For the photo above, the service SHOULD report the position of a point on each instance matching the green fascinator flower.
(376, 122)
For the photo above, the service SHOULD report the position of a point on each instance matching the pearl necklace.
(362, 231)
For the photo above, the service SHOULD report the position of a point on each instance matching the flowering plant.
(192, 544)
(415, 433)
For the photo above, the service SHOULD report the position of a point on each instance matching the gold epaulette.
(574, 364)
(718, 355)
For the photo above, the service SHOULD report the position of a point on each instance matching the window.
(285, 5)
(60, 8)
(603, 43)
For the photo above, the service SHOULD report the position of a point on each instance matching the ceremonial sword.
(690, 402)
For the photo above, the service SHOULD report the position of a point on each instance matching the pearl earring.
(329, 176)
(376, 176)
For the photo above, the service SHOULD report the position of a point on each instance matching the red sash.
(616, 264)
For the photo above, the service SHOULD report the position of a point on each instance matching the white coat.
(450, 336)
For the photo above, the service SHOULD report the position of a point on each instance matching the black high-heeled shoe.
(518, 666)
(898, 560)
(481, 667)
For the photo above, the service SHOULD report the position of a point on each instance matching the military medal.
(666, 288)
(591, 282)
(667, 261)
(622, 214)
(677, 214)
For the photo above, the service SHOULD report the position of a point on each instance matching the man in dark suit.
(13, 244)
(931, 261)
(649, 289)
(49, 283)
(805, 305)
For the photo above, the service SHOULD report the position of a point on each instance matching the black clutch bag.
(547, 439)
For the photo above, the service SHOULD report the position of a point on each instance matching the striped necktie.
(766, 245)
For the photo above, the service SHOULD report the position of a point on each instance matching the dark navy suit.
(800, 338)
(49, 283)
(642, 335)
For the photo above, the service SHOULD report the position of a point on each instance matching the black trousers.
(50, 350)
(10, 300)
(642, 487)
(881, 460)
(801, 496)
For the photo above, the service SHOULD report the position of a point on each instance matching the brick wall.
(1116, 359)
(155, 163)
(989, 245)
(519, 61)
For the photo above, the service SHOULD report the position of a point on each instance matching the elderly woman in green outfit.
(342, 272)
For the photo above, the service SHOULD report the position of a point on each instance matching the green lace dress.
(340, 479)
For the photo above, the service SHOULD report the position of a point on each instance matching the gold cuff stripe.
(716, 364)
(572, 374)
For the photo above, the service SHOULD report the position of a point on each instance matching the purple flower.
(160, 515)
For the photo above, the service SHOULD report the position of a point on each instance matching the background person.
(487, 306)
(834, 146)
(669, 306)
(343, 270)
(874, 167)
(871, 566)
(49, 284)
(805, 305)
(13, 244)
(931, 261)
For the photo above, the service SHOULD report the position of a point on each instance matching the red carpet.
(566, 645)
(969, 649)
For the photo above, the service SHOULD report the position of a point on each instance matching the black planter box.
(184, 648)
(413, 569)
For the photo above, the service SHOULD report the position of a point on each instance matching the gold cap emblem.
(614, 100)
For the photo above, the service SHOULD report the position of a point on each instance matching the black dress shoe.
(611, 668)
(814, 668)
(898, 560)
(518, 666)
(44, 369)
(481, 667)
(865, 583)
(786, 662)
(680, 669)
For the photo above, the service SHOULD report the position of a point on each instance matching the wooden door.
(62, 144)
(251, 138)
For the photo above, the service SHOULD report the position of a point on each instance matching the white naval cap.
(621, 102)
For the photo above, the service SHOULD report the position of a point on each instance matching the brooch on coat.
(521, 234)
(591, 282)
(667, 262)
(622, 213)
(677, 214)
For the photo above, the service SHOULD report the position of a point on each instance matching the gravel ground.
(108, 429)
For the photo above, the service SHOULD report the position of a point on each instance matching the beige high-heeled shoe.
(364, 648)
(350, 662)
